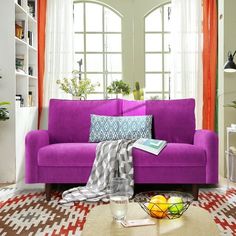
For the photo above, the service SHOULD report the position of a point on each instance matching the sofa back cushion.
(69, 120)
(173, 120)
(134, 108)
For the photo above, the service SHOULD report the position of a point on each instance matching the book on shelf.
(30, 38)
(19, 2)
(154, 146)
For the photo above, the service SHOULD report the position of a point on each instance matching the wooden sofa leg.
(195, 192)
(48, 188)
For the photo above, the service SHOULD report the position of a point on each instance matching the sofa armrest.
(34, 140)
(208, 140)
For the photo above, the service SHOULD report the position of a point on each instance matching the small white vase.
(76, 98)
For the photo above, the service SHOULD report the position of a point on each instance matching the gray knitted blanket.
(112, 157)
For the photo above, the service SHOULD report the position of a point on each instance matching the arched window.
(157, 52)
(97, 41)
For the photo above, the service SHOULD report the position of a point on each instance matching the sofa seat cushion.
(83, 154)
(174, 154)
(67, 154)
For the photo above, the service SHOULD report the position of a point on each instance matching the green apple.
(175, 205)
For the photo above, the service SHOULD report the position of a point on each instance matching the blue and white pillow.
(105, 128)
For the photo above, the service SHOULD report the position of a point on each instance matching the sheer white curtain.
(59, 47)
(186, 51)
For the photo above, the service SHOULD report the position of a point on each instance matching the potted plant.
(76, 86)
(138, 92)
(118, 87)
(4, 113)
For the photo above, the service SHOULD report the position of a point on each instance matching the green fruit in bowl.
(175, 205)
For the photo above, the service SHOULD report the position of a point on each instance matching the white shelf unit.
(12, 82)
(26, 51)
(26, 81)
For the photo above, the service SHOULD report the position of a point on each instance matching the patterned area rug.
(222, 206)
(28, 213)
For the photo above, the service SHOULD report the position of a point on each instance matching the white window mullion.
(85, 56)
(104, 55)
(163, 54)
(152, 67)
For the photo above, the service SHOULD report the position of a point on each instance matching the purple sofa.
(62, 154)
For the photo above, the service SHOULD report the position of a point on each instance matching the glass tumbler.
(119, 198)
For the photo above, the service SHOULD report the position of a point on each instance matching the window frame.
(105, 73)
(165, 94)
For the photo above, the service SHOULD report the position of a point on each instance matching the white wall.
(227, 81)
(7, 91)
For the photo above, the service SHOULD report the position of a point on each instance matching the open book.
(153, 146)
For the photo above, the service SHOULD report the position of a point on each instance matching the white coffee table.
(195, 221)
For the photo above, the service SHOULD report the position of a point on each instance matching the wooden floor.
(2, 185)
(223, 182)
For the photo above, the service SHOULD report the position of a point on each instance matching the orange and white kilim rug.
(30, 214)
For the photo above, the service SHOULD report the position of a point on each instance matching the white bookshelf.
(12, 82)
(26, 79)
(26, 51)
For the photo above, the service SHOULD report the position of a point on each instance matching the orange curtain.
(41, 52)
(209, 62)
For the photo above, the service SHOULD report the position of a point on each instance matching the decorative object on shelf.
(118, 87)
(137, 92)
(166, 205)
(30, 99)
(30, 70)
(230, 65)
(31, 5)
(21, 99)
(17, 102)
(19, 31)
(76, 86)
(4, 113)
(20, 62)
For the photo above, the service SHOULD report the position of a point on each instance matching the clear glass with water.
(119, 198)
